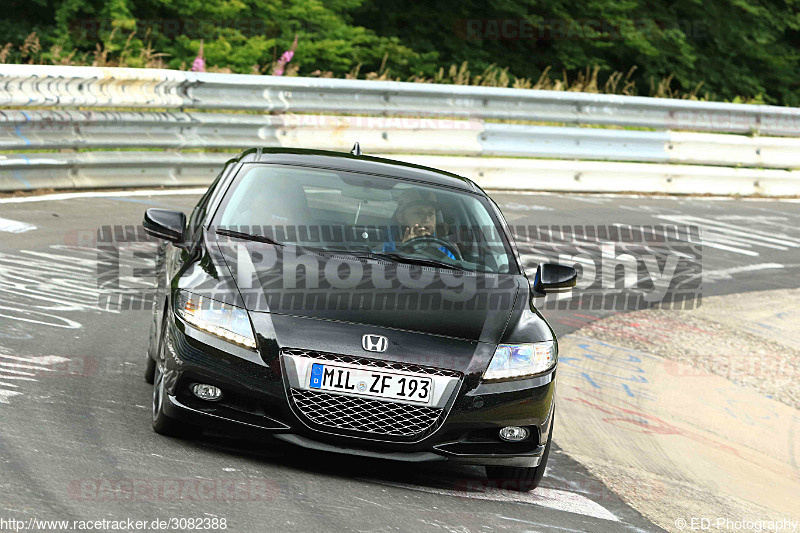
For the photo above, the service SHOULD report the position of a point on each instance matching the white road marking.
(679, 199)
(734, 238)
(746, 232)
(4, 365)
(13, 226)
(727, 273)
(591, 199)
(38, 360)
(540, 524)
(762, 219)
(559, 500)
(526, 207)
(5, 395)
(39, 287)
(99, 194)
(10, 373)
(16, 371)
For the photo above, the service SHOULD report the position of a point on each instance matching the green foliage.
(732, 47)
(742, 50)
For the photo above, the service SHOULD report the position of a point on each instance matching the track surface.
(71, 447)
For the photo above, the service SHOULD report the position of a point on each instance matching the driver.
(414, 217)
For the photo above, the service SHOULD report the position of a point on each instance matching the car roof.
(358, 163)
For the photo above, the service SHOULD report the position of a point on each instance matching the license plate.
(371, 383)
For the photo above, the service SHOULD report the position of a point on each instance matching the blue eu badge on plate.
(316, 376)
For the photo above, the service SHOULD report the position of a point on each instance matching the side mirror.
(165, 224)
(552, 277)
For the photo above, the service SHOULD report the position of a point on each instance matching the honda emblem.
(374, 343)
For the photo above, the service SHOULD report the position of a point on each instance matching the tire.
(149, 370)
(522, 479)
(162, 424)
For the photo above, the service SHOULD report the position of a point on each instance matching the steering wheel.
(417, 244)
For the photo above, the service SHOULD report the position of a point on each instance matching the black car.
(355, 305)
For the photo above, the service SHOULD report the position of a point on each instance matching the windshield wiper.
(363, 254)
(398, 258)
(246, 236)
(414, 260)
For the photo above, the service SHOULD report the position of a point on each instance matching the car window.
(331, 202)
(196, 218)
(507, 228)
(343, 211)
(201, 209)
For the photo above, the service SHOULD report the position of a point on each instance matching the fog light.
(514, 433)
(207, 392)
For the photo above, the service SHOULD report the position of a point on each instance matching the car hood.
(286, 281)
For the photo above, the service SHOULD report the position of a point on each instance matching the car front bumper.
(256, 404)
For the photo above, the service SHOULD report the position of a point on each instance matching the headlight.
(223, 320)
(519, 360)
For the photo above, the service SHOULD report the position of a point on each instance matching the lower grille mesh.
(364, 415)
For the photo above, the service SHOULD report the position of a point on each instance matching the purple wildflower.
(280, 65)
(199, 63)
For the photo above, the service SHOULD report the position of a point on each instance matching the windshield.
(371, 215)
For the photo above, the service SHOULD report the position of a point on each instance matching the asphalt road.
(76, 442)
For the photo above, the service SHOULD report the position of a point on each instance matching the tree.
(727, 48)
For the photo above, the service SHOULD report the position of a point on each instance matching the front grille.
(365, 415)
(376, 363)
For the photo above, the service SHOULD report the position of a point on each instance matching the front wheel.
(519, 478)
(162, 424)
(150, 370)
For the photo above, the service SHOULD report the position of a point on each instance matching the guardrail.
(35, 86)
(58, 130)
(88, 108)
